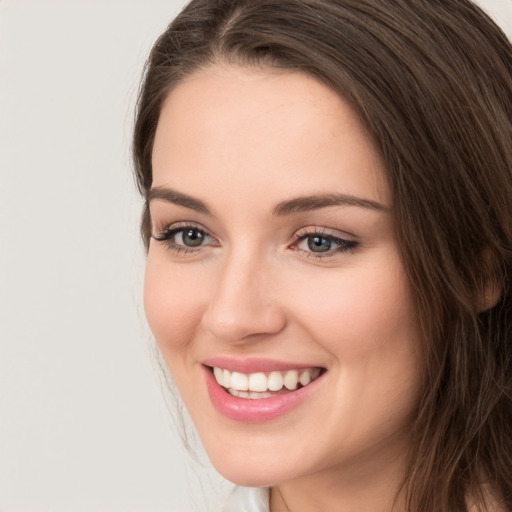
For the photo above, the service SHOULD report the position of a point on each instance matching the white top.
(248, 499)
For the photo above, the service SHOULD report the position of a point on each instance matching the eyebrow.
(289, 207)
(175, 197)
(308, 203)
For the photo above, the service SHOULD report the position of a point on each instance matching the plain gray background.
(83, 425)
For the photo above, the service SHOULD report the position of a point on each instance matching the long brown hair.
(432, 81)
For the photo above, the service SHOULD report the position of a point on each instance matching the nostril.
(243, 323)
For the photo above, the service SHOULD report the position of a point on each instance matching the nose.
(243, 304)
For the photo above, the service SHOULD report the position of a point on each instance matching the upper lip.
(253, 365)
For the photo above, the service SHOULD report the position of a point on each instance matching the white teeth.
(219, 375)
(290, 379)
(305, 378)
(226, 378)
(258, 382)
(253, 395)
(275, 381)
(239, 381)
(257, 385)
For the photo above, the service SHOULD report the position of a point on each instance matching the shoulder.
(248, 499)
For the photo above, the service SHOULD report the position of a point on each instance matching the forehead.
(250, 127)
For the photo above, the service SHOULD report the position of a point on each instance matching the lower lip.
(246, 410)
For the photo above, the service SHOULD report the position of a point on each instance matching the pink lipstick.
(298, 382)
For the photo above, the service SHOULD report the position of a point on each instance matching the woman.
(328, 218)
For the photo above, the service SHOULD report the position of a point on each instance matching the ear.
(491, 295)
(492, 288)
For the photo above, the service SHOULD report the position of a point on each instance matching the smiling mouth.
(264, 384)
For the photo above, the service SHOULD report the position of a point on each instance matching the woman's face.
(272, 264)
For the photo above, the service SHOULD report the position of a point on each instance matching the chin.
(249, 471)
(248, 476)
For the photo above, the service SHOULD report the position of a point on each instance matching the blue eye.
(184, 238)
(319, 243)
(192, 237)
(323, 245)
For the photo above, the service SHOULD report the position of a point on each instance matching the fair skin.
(236, 275)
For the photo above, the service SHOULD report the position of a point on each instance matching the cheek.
(173, 305)
(364, 317)
(366, 322)
(356, 305)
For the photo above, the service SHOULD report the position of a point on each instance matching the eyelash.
(344, 245)
(168, 234)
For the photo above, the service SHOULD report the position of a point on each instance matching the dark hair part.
(432, 81)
